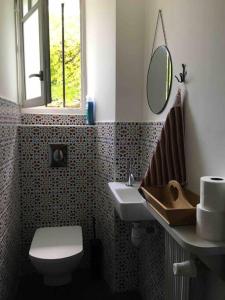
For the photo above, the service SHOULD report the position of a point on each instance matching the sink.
(128, 202)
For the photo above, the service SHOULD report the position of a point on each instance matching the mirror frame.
(170, 88)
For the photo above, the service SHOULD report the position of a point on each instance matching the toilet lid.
(56, 242)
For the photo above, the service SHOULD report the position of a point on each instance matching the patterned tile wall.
(127, 268)
(151, 263)
(49, 119)
(48, 199)
(152, 250)
(150, 133)
(104, 212)
(127, 150)
(56, 196)
(120, 257)
(9, 199)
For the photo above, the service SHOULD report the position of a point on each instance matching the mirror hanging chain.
(159, 18)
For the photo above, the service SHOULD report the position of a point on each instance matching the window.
(50, 54)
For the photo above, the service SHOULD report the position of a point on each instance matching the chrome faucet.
(130, 176)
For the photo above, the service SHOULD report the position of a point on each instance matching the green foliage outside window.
(72, 63)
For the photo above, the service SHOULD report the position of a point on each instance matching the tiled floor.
(82, 288)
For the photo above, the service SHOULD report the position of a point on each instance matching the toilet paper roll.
(185, 268)
(212, 193)
(210, 225)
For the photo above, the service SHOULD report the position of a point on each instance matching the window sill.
(52, 111)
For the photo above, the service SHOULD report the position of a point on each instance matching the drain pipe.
(137, 234)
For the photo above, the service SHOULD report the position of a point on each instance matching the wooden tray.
(175, 204)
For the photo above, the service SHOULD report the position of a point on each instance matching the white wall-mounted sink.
(128, 202)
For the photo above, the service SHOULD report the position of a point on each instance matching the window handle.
(40, 75)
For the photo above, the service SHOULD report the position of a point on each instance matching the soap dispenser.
(90, 111)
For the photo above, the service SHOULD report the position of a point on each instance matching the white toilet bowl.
(55, 252)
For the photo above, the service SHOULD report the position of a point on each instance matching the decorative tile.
(55, 197)
(52, 119)
(9, 113)
(120, 259)
(151, 263)
(9, 198)
(150, 134)
(124, 267)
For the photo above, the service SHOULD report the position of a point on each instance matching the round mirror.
(159, 79)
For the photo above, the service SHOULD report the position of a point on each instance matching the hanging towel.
(168, 161)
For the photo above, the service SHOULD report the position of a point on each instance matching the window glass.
(32, 56)
(72, 52)
(33, 2)
(25, 7)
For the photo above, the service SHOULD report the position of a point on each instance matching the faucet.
(130, 176)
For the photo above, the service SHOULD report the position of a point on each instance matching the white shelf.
(187, 238)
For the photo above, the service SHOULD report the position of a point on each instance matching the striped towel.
(168, 161)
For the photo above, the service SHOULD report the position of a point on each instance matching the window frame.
(25, 107)
(44, 53)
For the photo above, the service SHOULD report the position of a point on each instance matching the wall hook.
(182, 75)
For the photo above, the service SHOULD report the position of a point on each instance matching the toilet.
(55, 252)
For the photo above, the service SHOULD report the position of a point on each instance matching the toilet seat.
(55, 243)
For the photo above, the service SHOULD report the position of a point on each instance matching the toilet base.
(59, 280)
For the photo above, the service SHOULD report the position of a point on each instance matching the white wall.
(8, 81)
(115, 43)
(129, 59)
(195, 33)
(101, 56)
